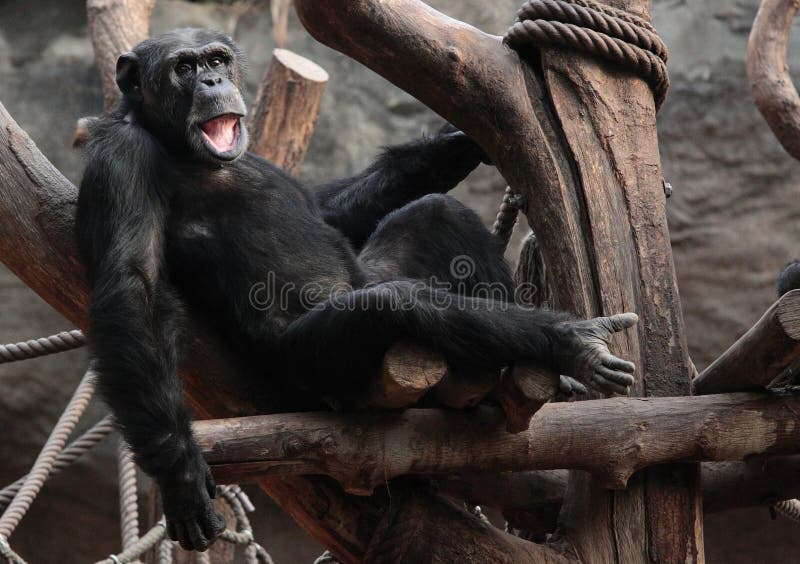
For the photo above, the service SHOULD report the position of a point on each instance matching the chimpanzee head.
(183, 87)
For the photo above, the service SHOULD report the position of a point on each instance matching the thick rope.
(45, 461)
(789, 508)
(507, 216)
(128, 496)
(584, 27)
(61, 342)
(74, 450)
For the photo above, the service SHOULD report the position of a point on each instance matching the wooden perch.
(522, 392)
(532, 500)
(409, 371)
(288, 98)
(760, 355)
(770, 83)
(116, 26)
(611, 438)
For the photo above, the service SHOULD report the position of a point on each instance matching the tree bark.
(770, 83)
(116, 26)
(364, 450)
(760, 355)
(532, 500)
(286, 109)
(590, 171)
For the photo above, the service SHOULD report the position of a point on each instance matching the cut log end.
(409, 370)
(303, 67)
(522, 392)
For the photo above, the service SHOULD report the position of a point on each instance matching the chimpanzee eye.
(183, 68)
(215, 61)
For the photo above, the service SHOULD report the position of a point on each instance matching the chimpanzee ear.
(129, 79)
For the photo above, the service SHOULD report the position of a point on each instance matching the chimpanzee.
(173, 210)
(789, 278)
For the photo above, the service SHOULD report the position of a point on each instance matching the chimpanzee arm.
(133, 319)
(401, 174)
(467, 330)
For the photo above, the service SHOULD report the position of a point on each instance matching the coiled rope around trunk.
(591, 28)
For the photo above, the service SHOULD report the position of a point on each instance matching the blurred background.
(734, 220)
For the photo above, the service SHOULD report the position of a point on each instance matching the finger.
(569, 385)
(183, 537)
(620, 321)
(621, 378)
(616, 363)
(211, 486)
(213, 525)
(607, 386)
(196, 535)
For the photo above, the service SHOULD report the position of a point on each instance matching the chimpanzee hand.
(451, 132)
(191, 519)
(581, 351)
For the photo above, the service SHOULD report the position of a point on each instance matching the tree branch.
(116, 26)
(770, 83)
(760, 355)
(363, 450)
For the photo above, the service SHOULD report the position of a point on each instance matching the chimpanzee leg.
(439, 240)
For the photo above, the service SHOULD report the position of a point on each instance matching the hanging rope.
(24, 350)
(128, 496)
(74, 450)
(44, 462)
(507, 216)
(597, 30)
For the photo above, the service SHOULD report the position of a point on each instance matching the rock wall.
(733, 216)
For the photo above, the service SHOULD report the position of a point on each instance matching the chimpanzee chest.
(258, 252)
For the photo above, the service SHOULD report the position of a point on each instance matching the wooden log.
(285, 111)
(532, 500)
(760, 355)
(116, 26)
(411, 532)
(409, 371)
(279, 9)
(464, 387)
(522, 392)
(578, 140)
(610, 438)
(770, 83)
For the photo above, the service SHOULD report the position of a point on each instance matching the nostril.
(209, 81)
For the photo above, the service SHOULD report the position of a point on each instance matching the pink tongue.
(221, 132)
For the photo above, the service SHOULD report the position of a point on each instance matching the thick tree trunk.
(580, 143)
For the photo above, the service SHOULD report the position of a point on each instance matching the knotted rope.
(589, 27)
(507, 216)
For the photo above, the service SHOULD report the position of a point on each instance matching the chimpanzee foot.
(582, 353)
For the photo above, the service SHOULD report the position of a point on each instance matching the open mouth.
(222, 132)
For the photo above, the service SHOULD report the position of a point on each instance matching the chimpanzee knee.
(436, 238)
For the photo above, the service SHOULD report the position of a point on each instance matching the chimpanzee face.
(184, 87)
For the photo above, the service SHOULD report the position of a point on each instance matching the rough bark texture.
(590, 171)
(760, 355)
(116, 26)
(532, 500)
(770, 83)
(411, 532)
(364, 450)
(286, 109)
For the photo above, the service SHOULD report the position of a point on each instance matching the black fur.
(789, 278)
(164, 220)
